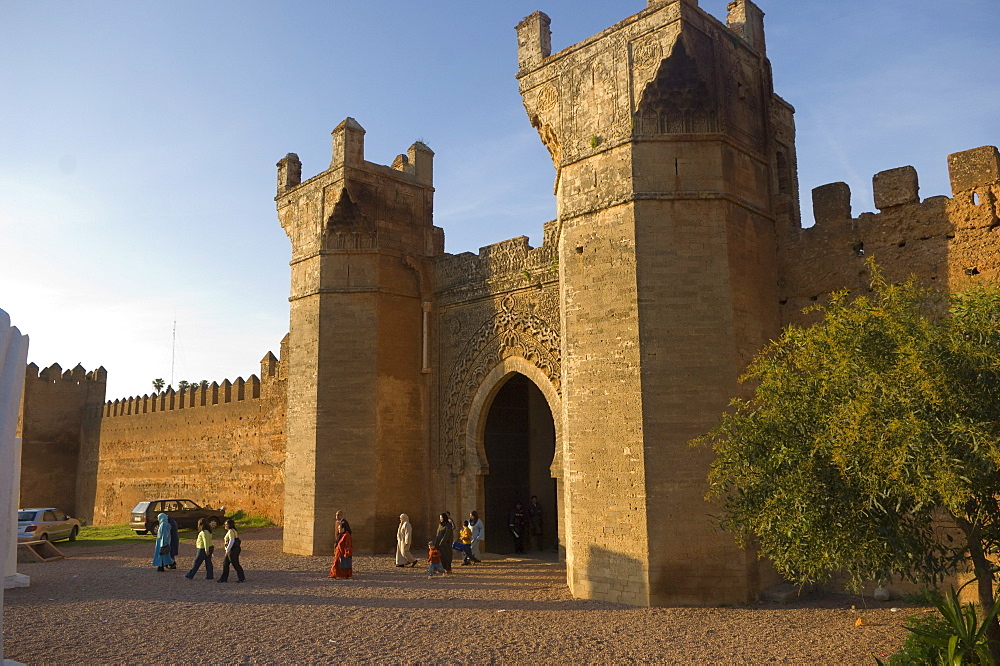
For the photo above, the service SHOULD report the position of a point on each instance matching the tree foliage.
(863, 432)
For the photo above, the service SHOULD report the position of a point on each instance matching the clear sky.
(138, 143)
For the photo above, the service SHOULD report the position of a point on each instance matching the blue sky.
(139, 140)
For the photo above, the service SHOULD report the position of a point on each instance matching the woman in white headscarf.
(404, 539)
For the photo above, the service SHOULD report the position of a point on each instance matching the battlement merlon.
(349, 151)
(974, 169)
(747, 20)
(534, 41)
(55, 373)
(289, 172)
(348, 144)
(969, 171)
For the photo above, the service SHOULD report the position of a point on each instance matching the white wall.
(13, 357)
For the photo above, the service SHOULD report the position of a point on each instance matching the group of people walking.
(439, 549)
(167, 548)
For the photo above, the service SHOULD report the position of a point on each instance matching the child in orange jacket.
(434, 557)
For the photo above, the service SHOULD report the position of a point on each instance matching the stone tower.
(674, 168)
(361, 234)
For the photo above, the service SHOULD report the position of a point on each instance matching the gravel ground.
(108, 605)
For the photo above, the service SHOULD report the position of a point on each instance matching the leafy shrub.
(915, 651)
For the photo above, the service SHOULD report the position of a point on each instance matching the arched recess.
(476, 466)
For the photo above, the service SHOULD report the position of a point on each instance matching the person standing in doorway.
(404, 540)
(536, 520)
(443, 540)
(517, 523)
(478, 535)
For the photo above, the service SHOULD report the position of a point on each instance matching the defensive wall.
(952, 242)
(677, 253)
(55, 404)
(221, 444)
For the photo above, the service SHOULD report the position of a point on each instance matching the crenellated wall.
(678, 252)
(55, 403)
(222, 444)
(951, 242)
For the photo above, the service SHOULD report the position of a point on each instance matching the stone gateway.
(414, 381)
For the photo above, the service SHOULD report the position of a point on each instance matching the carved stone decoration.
(647, 55)
(347, 227)
(678, 100)
(547, 98)
(513, 331)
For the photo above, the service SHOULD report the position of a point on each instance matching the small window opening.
(579, 249)
(972, 271)
(975, 199)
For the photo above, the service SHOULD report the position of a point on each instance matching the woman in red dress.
(343, 553)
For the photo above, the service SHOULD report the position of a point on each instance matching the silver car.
(48, 524)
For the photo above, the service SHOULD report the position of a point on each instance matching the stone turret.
(662, 133)
(361, 236)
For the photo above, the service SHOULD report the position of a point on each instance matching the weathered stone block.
(973, 168)
(831, 202)
(896, 187)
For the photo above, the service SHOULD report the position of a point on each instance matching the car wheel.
(141, 531)
(72, 535)
(154, 528)
(213, 522)
(44, 537)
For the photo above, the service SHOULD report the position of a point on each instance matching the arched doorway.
(519, 441)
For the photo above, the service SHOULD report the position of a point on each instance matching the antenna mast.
(173, 350)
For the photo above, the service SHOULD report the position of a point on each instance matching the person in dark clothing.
(517, 523)
(536, 519)
(232, 543)
(443, 539)
(175, 543)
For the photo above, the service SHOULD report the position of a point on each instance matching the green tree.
(158, 384)
(183, 384)
(863, 432)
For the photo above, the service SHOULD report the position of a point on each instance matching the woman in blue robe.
(161, 556)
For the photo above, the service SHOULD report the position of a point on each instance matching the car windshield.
(25, 516)
(140, 507)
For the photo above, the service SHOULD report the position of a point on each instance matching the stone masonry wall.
(952, 242)
(54, 406)
(222, 445)
(499, 304)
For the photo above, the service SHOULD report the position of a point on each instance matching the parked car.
(184, 511)
(47, 524)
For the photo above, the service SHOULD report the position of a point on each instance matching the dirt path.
(107, 604)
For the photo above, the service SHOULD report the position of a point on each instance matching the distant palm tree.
(158, 384)
(183, 384)
(203, 383)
